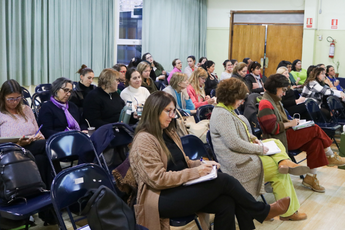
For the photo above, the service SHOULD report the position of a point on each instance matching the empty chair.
(194, 148)
(203, 112)
(38, 99)
(70, 146)
(72, 184)
(43, 87)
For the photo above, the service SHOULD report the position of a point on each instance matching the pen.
(202, 161)
(38, 130)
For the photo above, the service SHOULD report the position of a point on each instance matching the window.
(129, 30)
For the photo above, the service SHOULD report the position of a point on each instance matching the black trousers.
(38, 149)
(224, 196)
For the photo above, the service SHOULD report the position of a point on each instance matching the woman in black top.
(103, 105)
(83, 87)
(253, 78)
(212, 80)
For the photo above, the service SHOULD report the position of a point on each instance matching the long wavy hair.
(8, 87)
(154, 106)
(194, 80)
(313, 76)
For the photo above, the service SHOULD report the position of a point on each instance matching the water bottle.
(128, 112)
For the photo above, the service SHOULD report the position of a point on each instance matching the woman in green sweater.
(299, 74)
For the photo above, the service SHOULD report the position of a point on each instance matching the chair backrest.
(213, 93)
(204, 112)
(209, 142)
(315, 112)
(27, 97)
(183, 113)
(194, 148)
(336, 108)
(69, 146)
(43, 87)
(73, 183)
(75, 83)
(38, 99)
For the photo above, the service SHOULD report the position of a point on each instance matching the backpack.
(19, 175)
(105, 210)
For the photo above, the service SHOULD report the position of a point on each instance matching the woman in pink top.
(177, 64)
(196, 89)
(18, 120)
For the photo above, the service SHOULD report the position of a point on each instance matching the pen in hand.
(38, 130)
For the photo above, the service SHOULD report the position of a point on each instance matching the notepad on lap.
(272, 147)
(211, 176)
(303, 125)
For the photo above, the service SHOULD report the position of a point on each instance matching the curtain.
(174, 29)
(42, 40)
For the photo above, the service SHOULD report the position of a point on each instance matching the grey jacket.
(236, 155)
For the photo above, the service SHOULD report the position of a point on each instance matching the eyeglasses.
(67, 90)
(171, 112)
(148, 57)
(13, 99)
(123, 71)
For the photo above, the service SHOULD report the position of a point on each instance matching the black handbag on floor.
(105, 210)
(19, 175)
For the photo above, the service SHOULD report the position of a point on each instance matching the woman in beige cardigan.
(242, 155)
(160, 168)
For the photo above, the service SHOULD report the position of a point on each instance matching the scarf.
(232, 111)
(277, 105)
(72, 124)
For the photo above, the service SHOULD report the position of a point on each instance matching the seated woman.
(18, 119)
(292, 80)
(275, 124)
(240, 72)
(253, 78)
(316, 87)
(134, 92)
(196, 90)
(122, 69)
(83, 87)
(298, 73)
(160, 168)
(157, 68)
(178, 89)
(202, 60)
(228, 68)
(144, 69)
(330, 73)
(191, 66)
(243, 156)
(212, 79)
(59, 114)
(290, 103)
(177, 64)
(103, 105)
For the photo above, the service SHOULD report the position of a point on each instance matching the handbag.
(19, 174)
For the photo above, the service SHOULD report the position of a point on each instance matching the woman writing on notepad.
(243, 156)
(274, 123)
(18, 120)
(160, 168)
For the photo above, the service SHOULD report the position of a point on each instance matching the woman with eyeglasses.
(122, 69)
(243, 156)
(17, 119)
(160, 168)
(83, 87)
(253, 78)
(159, 72)
(59, 114)
(103, 105)
(144, 69)
(313, 140)
(196, 89)
(177, 64)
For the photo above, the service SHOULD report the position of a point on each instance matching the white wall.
(218, 23)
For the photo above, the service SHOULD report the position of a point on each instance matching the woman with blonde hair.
(103, 105)
(196, 89)
(178, 89)
(144, 68)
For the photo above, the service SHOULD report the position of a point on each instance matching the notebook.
(303, 124)
(272, 147)
(11, 139)
(211, 176)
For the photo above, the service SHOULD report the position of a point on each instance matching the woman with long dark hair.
(298, 73)
(212, 79)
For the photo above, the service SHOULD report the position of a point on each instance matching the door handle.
(262, 62)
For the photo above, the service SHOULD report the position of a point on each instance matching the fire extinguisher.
(331, 49)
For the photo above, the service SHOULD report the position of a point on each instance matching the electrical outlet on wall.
(320, 37)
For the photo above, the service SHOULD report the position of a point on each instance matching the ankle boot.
(287, 166)
(278, 208)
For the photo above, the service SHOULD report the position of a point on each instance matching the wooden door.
(284, 42)
(248, 41)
